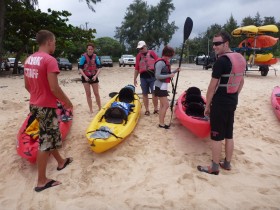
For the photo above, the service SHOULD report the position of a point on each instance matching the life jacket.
(146, 62)
(237, 71)
(90, 67)
(32, 127)
(165, 70)
(126, 107)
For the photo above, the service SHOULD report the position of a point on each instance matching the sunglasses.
(141, 48)
(217, 43)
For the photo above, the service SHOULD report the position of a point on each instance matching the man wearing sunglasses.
(144, 65)
(221, 101)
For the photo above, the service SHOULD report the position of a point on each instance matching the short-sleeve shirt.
(36, 69)
(223, 66)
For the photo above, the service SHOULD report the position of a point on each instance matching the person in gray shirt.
(163, 76)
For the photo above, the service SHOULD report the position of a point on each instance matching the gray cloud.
(110, 13)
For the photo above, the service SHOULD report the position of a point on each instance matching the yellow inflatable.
(261, 57)
(103, 135)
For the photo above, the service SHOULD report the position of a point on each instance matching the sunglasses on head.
(218, 43)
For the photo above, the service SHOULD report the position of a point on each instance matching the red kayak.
(191, 115)
(275, 101)
(262, 41)
(272, 61)
(27, 137)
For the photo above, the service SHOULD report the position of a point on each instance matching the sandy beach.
(153, 168)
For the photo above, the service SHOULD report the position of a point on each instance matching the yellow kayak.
(103, 135)
(263, 57)
(268, 28)
(245, 30)
(252, 30)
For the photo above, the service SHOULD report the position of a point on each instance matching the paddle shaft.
(187, 31)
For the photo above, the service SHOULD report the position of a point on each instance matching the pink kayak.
(27, 137)
(275, 101)
(195, 123)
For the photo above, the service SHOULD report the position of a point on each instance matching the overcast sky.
(110, 13)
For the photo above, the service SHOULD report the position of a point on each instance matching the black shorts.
(90, 77)
(221, 121)
(160, 93)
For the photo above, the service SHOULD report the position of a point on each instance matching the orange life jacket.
(90, 67)
(165, 70)
(237, 72)
(146, 62)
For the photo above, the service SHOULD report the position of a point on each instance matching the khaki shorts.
(49, 133)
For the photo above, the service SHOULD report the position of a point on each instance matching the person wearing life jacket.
(221, 101)
(89, 68)
(163, 76)
(144, 66)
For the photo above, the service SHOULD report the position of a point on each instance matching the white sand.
(153, 168)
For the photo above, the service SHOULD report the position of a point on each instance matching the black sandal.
(207, 169)
(164, 126)
(147, 113)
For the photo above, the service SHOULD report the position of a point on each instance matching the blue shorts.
(147, 85)
(221, 121)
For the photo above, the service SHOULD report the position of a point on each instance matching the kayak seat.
(193, 91)
(194, 98)
(195, 105)
(126, 94)
(115, 115)
(195, 109)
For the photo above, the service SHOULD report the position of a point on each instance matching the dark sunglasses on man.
(217, 43)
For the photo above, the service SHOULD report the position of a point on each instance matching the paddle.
(187, 31)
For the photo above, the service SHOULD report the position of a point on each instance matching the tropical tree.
(108, 46)
(22, 23)
(229, 27)
(30, 4)
(149, 23)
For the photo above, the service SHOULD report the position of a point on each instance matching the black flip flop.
(48, 185)
(68, 161)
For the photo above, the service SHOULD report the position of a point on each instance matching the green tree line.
(141, 22)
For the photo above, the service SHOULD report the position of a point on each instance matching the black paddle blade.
(188, 28)
(112, 94)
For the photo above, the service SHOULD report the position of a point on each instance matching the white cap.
(141, 44)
